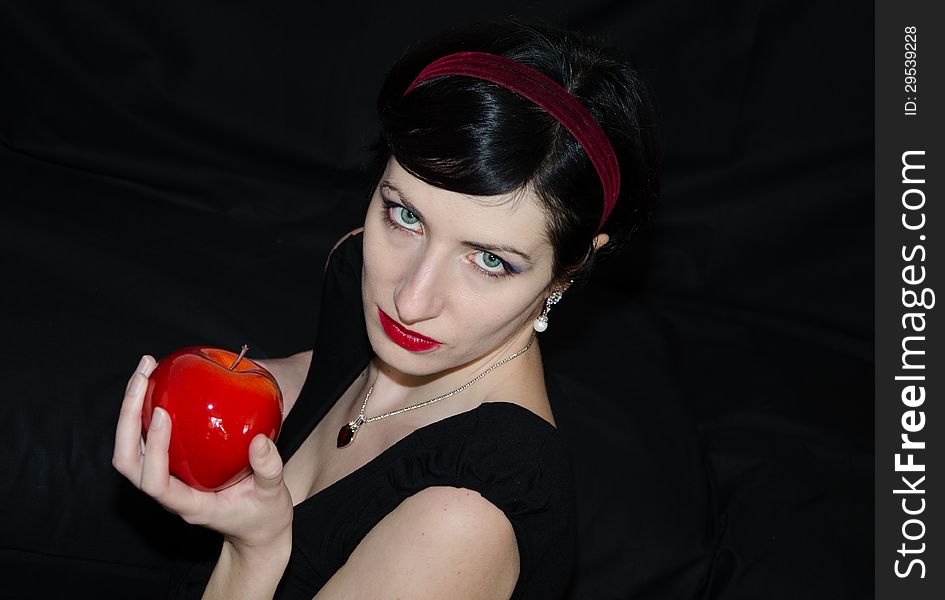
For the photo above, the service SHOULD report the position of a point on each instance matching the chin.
(408, 363)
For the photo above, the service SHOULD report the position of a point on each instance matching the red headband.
(549, 95)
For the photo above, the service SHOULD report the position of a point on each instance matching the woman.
(428, 464)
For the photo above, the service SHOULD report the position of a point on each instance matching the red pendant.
(345, 435)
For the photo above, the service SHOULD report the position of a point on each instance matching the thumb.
(266, 463)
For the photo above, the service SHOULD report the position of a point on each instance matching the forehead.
(516, 216)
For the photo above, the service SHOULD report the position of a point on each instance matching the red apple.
(218, 402)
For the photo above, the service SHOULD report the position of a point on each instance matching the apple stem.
(240, 357)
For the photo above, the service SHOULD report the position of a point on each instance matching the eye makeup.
(387, 205)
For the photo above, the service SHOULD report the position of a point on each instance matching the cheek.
(491, 319)
(383, 260)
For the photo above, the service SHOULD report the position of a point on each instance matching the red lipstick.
(403, 337)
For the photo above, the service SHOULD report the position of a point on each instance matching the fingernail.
(264, 451)
(142, 364)
(137, 383)
(158, 418)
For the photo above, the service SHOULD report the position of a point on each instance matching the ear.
(561, 287)
(556, 287)
(599, 240)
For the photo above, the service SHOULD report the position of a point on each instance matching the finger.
(141, 368)
(266, 463)
(147, 365)
(126, 457)
(155, 476)
(173, 494)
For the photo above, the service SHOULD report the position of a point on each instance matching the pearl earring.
(541, 323)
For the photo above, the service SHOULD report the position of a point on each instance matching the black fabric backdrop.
(174, 173)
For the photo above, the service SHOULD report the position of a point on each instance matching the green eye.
(490, 260)
(491, 265)
(408, 217)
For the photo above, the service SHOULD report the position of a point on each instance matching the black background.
(174, 173)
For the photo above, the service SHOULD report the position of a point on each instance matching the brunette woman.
(420, 457)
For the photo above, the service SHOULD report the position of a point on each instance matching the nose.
(422, 291)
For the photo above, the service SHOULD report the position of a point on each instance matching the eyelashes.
(385, 213)
(387, 205)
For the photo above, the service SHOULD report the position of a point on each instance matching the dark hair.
(475, 137)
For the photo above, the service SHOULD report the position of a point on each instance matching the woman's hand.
(254, 515)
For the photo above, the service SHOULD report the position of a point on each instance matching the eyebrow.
(386, 185)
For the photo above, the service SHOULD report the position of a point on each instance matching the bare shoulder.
(339, 242)
(442, 542)
(346, 236)
(455, 512)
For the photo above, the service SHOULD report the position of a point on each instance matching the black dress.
(511, 456)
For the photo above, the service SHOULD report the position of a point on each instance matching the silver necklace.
(346, 434)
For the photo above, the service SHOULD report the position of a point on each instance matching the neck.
(395, 389)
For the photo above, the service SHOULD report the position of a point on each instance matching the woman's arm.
(442, 542)
(248, 572)
(254, 515)
(290, 373)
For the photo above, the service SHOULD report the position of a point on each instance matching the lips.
(403, 337)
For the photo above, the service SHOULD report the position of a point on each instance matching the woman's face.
(469, 274)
